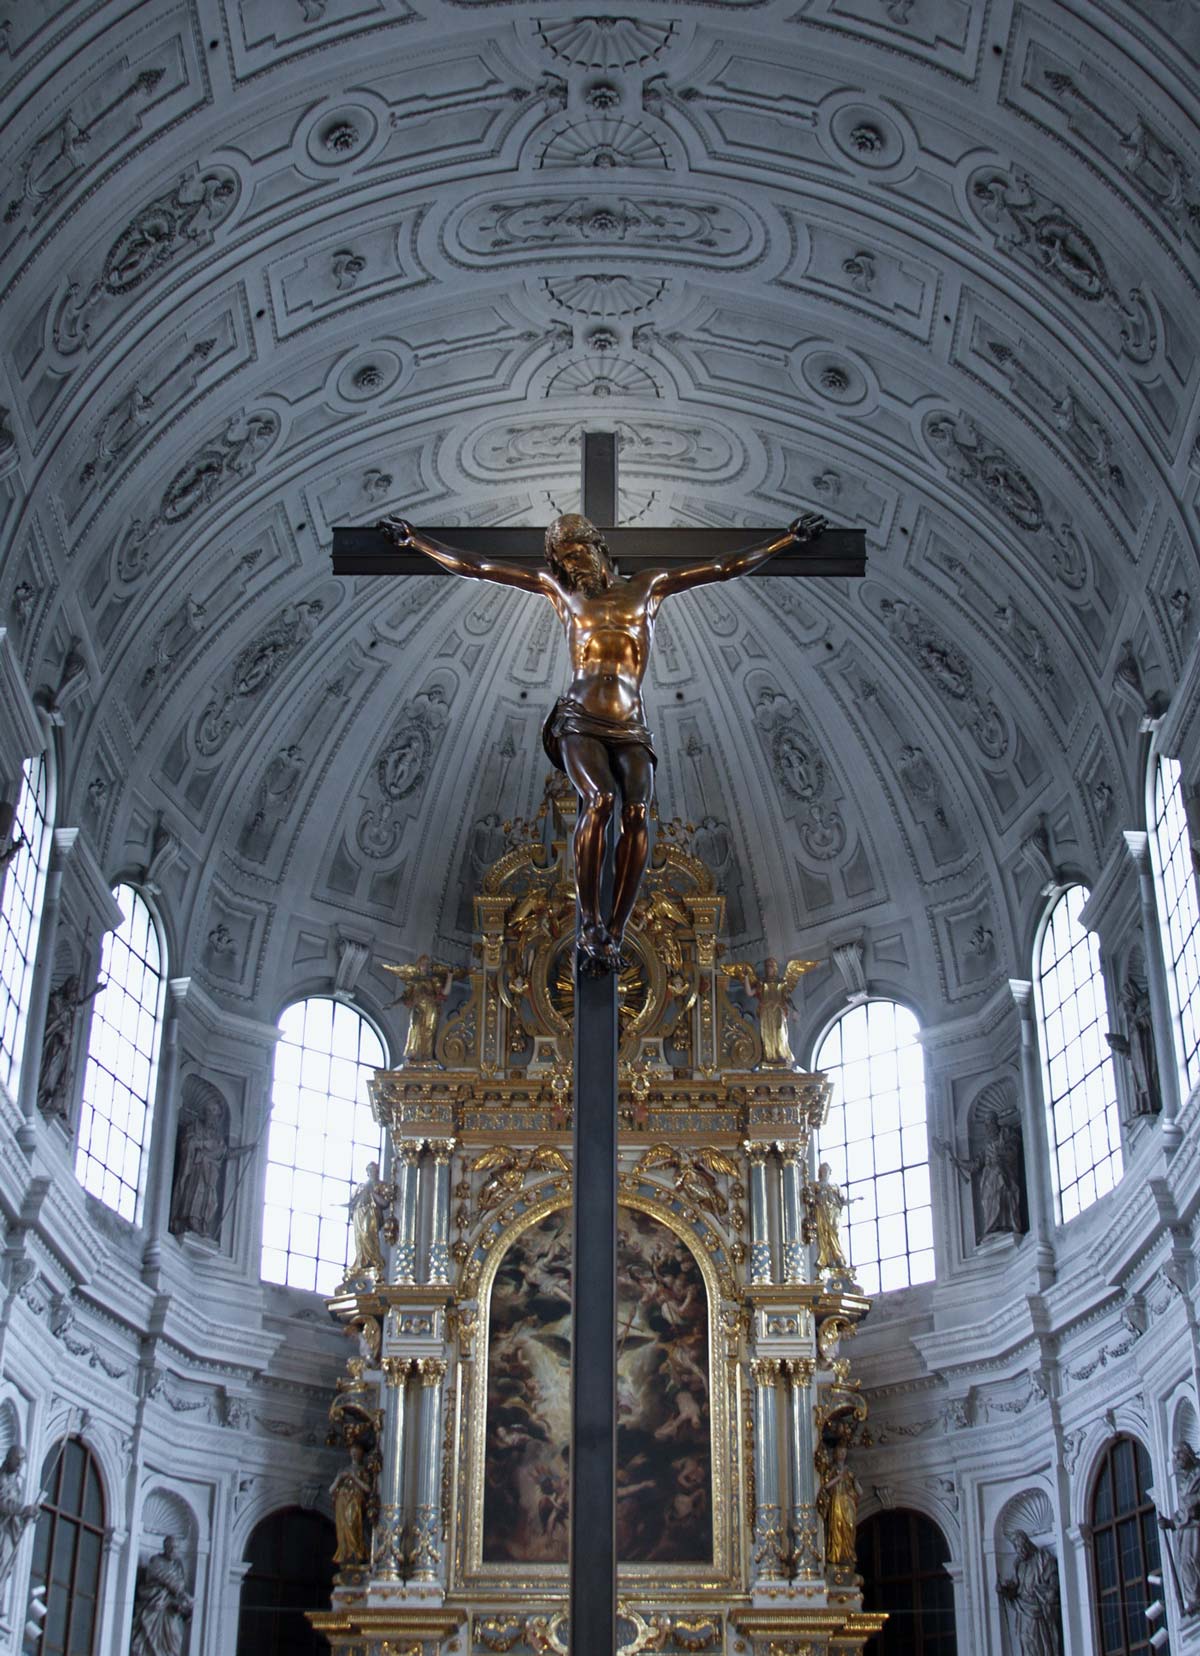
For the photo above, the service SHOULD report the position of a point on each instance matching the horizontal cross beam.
(368, 551)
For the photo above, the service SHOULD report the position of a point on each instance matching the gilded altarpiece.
(737, 1412)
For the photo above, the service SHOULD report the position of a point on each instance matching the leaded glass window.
(1179, 914)
(24, 882)
(903, 1557)
(1124, 1547)
(68, 1550)
(1077, 1067)
(876, 1144)
(122, 1060)
(322, 1136)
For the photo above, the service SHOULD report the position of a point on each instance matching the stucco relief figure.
(62, 1009)
(1184, 1524)
(201, 1153)
(16, 1513)
(824, 1203)
(998, 1170)
(162, 1606)
(1139, 1034)
(1033, 1592)
(597, 732)
(426, 985)
(773, 992)
(837, 1503)
(369, 1207)
(351, 1491)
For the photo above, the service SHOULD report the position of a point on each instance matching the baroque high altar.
(737, 1412)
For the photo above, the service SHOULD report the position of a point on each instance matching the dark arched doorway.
(290, 1554)
(902, 1556)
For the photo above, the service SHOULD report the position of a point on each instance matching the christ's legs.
(635, 771)
(586, 762)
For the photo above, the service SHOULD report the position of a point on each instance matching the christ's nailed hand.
(807, 526)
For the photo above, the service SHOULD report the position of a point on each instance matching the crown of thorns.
(572, 526)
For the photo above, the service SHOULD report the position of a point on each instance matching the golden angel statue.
(695, 1173)
(506, 1170)
(426, 985)
(773, 992)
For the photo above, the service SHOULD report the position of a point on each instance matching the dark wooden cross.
(593, 1451)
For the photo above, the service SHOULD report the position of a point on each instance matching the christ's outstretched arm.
(466, 563)
(664, 582)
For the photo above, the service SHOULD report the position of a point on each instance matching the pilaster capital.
(756, 1152)
(799, 1370)
(409, 1151)
(442, 1150)
(765, 1371)
(791, 1151)
(1021, 990)
(431, 1370)
(1137, 843)
(395, 1369)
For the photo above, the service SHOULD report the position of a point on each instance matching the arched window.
(902, 1556)
(68, 1550)
(122, 1060)
(876, 1145)
(1171, 850)
(24, 883)
(322, 1137)
(1077, 1068)
(290, 1555)
(1124, 1546)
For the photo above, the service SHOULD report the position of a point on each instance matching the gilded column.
(1161, 1021)
(387, 1560)
(407, 1157)
(792, 1157)
(760, 1238)
(426, 1556)
(768, 1511)
(438, 1264)
(802, 1508)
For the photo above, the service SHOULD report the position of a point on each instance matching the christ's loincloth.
(568, 718)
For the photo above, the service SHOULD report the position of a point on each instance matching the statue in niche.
(58, 1039)
(597, 732)
(1136, 1046)
(202, 1152)
(997, 1168)
(824, 1202)
(352, 1493)
(369, 1214)
(1184, 1524)
(838, 1494)
(426, 985)
(773, 992)
(1033, 1592)
(162, 1605)
(16, 1513)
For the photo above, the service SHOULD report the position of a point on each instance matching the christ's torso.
(609, 635)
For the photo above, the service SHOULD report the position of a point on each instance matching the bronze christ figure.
(597, 731)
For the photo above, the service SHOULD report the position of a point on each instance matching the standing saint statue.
(837, 1502)
(824, 1202)
(16, 1513)
(57, 1040)
(201, 1152)
(1032, 1590)
(596, 733)
(997, 1167)
(161, 1606)
(426, 985)
(1184, 1523)
(351, 1491)
(368, 1206)
(773, 992)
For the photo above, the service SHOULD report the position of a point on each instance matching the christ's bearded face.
(576, 553)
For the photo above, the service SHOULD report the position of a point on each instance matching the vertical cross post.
(593, 1546)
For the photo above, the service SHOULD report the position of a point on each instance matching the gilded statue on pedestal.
(837, 1502)
(369, 1207)
(773, 992)
(824, 1202)
(352, 1492)
(426, 985)
(597, 732)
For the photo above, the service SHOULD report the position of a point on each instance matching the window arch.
(902, 1556)
(24, 883)
(1179, 912)
(1124, 1548)
(875, 1142)
(68, 1549)
(1077, 1067)
(290, 1554)
(322, 1136)
(122, 1060)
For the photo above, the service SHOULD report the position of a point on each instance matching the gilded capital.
(756, 1152)
(431, 1370)
(395, 1369)
(799, 1370)
(765, 1371)
(409, 1151)
(442, 1150)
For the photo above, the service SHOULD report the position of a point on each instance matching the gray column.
(791, 1159)
(1037, 1143)
(1162, 1021)
(438, 1260)
(767, 1562)
(406, 1165)
(387, 1551)
(802, 1502)
(760, 1237)
(163, 1126)
(427, 1518)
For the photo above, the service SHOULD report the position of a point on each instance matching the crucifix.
(597, 734)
